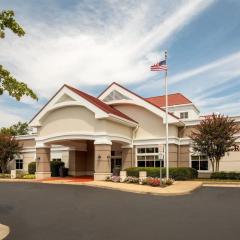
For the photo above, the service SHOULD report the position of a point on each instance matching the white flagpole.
(166, 119)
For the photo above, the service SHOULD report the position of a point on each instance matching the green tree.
(21, 128)
(214, 137)
(8, 83)
(9, 149)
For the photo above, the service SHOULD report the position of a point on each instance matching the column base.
(101, 176)
(42, 175)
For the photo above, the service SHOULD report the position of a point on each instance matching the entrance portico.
(86, 157)
(88, 127)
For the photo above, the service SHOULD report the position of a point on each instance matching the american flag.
(160, 66)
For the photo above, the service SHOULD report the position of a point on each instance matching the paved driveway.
(60, 212)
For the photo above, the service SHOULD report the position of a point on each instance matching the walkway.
(178, 188)
(81, 179)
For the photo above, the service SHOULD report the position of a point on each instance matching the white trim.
(41, 145)
(127, 146)
(83, 136)
(153, 141)
(183, 105)
(78, 101)
(26, 137)
(52, 105)
(137, 101)
(122, 120)
(102, 140)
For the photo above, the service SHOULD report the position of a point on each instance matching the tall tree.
(8, 83)
(214, 137)
(9, 149)
(21, 128)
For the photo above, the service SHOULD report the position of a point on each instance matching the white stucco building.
(92, 135)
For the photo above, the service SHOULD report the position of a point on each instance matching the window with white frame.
(19, 164)
(149, 157)
(184, 115)
(199, 162)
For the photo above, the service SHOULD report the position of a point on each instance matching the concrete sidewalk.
(178, 188)
(4, 231)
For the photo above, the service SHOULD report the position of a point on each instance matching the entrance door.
(116, 160)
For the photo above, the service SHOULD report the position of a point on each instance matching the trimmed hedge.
(55, 166)
(226, 175)
(32, 167)
(181, 173)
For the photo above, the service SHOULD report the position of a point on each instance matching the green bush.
(226, 175)
(29, 176)
(32, 167)
(55, 166)
(5, 175)
(174, 173)
(20, 174)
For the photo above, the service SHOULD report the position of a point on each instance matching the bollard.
(13, 174)
(142, 176)
(123, 176)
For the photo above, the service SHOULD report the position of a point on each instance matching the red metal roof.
(98, 103)
(173, 99)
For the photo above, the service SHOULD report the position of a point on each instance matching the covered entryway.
(86, 157)
(93, 131)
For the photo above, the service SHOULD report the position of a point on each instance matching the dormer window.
(184, 115)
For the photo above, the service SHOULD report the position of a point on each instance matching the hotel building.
(119, 128)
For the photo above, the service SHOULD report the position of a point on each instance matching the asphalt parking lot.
(63, 212)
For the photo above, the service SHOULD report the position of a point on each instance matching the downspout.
(134, 131)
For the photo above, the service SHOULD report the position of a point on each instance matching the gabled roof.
(138, 96)
(98, 103)
(101, 109)
(173, 99)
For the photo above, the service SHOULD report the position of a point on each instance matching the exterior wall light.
(99, 157)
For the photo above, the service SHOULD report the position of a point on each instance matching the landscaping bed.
(20, 175)
(151, 181)
(181, 173)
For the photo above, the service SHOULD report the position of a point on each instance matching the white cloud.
(227, 67)
(7, 119)
(93, 45)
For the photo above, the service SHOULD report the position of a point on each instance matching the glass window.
(141, 163)
(203, 165)
(195, 165)
(149, 163)
(195, 158)
(149, 157)
(19, 164)
(149, 150)
(157, 163)
(140, 157)
(199, 162)
(184, 115)
(141, 150)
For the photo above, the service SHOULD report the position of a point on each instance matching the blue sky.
(89, 44)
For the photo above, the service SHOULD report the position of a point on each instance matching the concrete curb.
(168, 191)
(19, 180)
(229, 185)
(4, 231)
